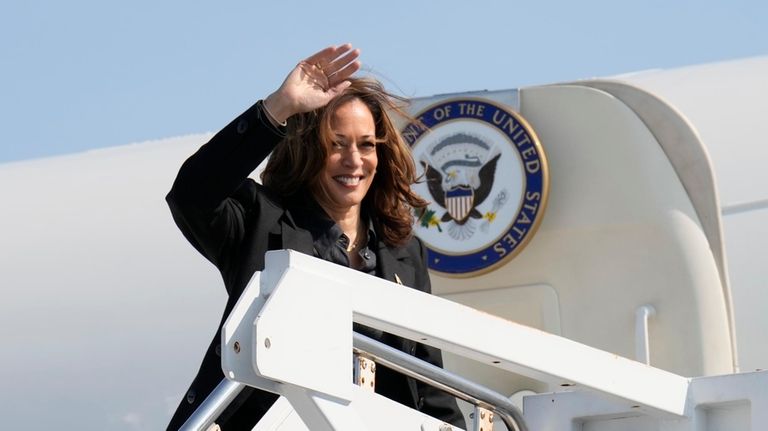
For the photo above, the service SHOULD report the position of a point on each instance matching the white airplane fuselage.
(658, 197)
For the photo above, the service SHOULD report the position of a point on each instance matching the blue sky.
(84, 74)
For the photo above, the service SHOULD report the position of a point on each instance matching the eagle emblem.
(459, 174)
(485, 176)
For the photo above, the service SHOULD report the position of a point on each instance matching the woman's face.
(352, 160)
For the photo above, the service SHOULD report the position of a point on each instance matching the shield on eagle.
(459, 201)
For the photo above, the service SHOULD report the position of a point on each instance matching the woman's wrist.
(277, 110)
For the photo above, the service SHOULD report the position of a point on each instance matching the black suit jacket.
(233, 221)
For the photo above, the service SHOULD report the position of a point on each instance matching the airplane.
(647, 241)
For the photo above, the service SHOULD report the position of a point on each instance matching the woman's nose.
(352, 156)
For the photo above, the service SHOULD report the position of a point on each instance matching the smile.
(348, 180)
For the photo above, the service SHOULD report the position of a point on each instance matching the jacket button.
(420, 404)
(413, 350)
(191, 395)
(218, 350)
(242, 126)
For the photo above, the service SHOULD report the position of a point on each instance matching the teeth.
(347, 180)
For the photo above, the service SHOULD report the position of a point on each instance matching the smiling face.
(352, 160)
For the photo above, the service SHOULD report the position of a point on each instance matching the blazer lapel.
(394, 265)
(294, 237)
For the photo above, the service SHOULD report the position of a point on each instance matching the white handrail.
(301, 307)
(642, 337)
(213, 405)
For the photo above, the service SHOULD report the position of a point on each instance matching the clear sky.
(83, 74)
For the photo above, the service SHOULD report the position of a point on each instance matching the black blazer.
(233, 222)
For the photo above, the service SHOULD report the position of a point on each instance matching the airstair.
(291, 334)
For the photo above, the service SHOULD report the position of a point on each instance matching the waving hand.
(314, 81)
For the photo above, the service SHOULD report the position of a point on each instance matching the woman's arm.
(211, 195)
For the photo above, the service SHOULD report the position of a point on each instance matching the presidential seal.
(486, 179)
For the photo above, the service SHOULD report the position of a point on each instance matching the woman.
(337, 186)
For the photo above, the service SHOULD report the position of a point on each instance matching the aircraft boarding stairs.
(291, 334)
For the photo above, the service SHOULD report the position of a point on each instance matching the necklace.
(353, 246)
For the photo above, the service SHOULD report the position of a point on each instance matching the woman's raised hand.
(314, 82)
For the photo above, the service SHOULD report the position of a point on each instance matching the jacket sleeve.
(212, 195)
(431, 400)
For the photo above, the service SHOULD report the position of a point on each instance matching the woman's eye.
(367, 147)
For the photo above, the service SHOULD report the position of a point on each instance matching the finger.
(343, 74)
(341, 62)
(338, 88)
(325, 56)
(320, 55)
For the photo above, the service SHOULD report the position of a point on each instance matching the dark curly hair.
(296, 163)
